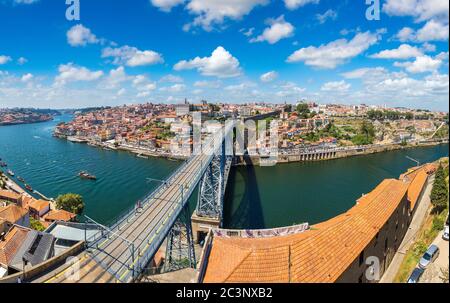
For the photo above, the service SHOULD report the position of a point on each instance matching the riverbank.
(324, 154)
(25, 122)
(15, 187)
(139, 152)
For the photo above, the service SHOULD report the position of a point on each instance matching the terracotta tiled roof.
(39, 205)
(12, 242)
(416, 186)
(9, 194)
(12, 213)
(59, 215)
(321, 254)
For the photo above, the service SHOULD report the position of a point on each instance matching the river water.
(257, 197)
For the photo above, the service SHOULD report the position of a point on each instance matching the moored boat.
(28, 187)
(10, 172)
(20, 179)
(3, 164)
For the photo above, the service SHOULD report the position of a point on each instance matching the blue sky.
(236, 51)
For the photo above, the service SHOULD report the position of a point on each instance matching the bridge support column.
(209, 211)
(180, 246)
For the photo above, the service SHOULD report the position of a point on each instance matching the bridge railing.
(131, 262)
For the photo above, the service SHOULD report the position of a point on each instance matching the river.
(257, 197)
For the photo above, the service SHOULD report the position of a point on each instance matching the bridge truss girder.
(180, 245)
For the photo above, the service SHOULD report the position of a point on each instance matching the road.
(434, 271)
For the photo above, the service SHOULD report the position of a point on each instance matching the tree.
(70, 202)
(303, 110)
(439, 192)
(36, 225)
(367, 130)
(409, 116)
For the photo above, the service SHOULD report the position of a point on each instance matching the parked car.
(445, 235)
(415, 275)
(431, 254)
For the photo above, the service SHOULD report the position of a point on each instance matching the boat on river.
(28, 187)
(20, 179)
(86, 175)
(10, 172)
(3, 164)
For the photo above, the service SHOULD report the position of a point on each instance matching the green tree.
(439, 192)
(36, 225)
(409, 116)
(303, 110)
(367, 130)
(70, 202)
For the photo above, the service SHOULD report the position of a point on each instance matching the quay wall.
(323, 155)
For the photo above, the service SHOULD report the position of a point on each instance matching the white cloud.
(142, 83)
(427, 47)
(404, 51)
(171, 78)
(79, 35)
(336, 86)
(269, 77)
(422, 64)
(166, 5)
(278, 29)
(71, 73)
(432, 31)
(22, 61)
(210, 12)
(364, 72)
(419, 9)
(220, 64)
(294, 4)
(290, 89)
(335, 53)
(26, 77)
(207, 84)
(115, 78)
(174, 88)
(240, 87)
(4, 59)
(406, 34)
(131, 56)
(328, 15)
(247, 32)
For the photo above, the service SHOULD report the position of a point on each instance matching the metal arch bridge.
(125, 249)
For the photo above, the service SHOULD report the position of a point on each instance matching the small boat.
(28, 187)
(11, 173)
(3, 164)
(20, 179)
(85, 175)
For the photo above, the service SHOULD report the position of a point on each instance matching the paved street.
(433, 272)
